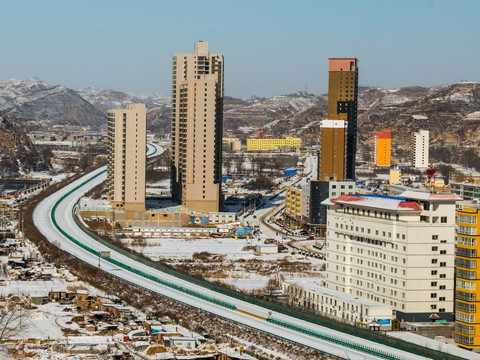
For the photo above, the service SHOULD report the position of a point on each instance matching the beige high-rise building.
(127, 136)
(197, 129)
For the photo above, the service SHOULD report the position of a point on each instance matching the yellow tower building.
(467, 284)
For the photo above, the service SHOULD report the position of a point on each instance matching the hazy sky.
(270, 47)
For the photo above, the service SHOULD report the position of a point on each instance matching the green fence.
(315, 319)
(336, 340)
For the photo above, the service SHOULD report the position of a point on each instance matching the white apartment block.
(127, 138)
(398, 251)
(337, 305)
(420, 149)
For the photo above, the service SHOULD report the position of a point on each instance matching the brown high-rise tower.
(342, 104)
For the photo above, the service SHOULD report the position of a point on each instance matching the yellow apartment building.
(293, 202)
(467, 282)
(272, 143)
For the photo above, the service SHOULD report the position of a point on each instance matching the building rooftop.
(417, 195)
(465, 184)
(376, 202)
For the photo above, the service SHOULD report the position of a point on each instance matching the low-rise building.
(395, 176)
(180, 342)
(267, 249)
(338, 305)
(467, 191)
(231, 144)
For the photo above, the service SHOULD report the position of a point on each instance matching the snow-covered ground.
(240, 267)
(64, 217)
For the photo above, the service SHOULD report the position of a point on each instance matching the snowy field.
(230, 261)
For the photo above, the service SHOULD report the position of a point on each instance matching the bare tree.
(12, 313)
(446, 171)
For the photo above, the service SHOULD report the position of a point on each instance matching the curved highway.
(54, 218)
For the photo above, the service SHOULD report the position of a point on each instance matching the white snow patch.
(419, 117)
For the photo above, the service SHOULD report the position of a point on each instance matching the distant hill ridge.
(450, 112)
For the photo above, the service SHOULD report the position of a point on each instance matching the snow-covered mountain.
(37, 104)
(114, 99)
(450, 112)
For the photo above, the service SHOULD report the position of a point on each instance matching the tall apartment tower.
(467, 284)
(383, 146)
(197, 129)
(420, 145)
(332, 157)
(127, 137)
(342, 103)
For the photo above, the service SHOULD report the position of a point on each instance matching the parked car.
(311, 238)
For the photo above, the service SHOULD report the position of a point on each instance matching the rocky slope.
(17, 153)
(451, 112)
(34, 104)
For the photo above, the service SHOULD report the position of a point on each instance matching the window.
(443, 264)
(433, 295)
(443, 276)
(442, 287)
(441, 299)
(434, 248)
(443, 219)
(433, 307)
(434, 272)
(434, 237)
(434, 261)
(443, 252)
(433, 283)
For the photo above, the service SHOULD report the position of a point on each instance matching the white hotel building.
(399, 251)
